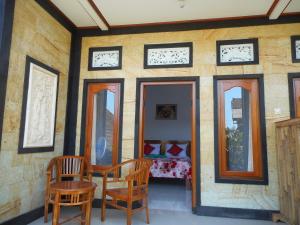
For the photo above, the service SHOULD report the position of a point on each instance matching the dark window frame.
(103, 49)
(293, 48)
(291, 77)
(253, 41)
(239, 180)
(84, 113)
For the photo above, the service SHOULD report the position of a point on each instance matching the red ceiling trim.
(188, 21)
(291, 14)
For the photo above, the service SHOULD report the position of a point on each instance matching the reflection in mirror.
(238, 130)
(103, 127)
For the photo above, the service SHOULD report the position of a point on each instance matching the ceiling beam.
(93, 14)
(97, 10)
(277, 8)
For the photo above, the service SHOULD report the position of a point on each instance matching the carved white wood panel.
(168, 56)
(40, 108)
(105, 58)
(237, 53)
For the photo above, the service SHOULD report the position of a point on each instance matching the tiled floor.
(168, 196)
(159, 217)
(169, 205)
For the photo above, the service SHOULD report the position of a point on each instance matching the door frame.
(291, 77)
(195, 142)
(86, 83)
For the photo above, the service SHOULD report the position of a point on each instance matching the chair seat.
(122, 193)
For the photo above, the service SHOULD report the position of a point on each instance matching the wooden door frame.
(195, 142)
(262, 121)
(84, 114)
(291, 77)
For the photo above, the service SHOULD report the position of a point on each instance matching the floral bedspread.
(171, 168)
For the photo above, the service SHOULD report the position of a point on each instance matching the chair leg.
(46, 211)
(55, 215)
(147, 210)
(129, 212)
(103, 208)
(83, 214)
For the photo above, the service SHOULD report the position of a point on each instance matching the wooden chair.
(75, 167)
(136, 180)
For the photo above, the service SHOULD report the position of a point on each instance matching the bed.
(171, 159)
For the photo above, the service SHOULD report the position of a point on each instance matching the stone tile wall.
(275, 63)
(22, 177)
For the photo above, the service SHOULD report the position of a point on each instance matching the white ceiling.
(294, 6)
(118, 12)
(127, 12)
(75, 12)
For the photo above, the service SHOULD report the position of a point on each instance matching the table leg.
(88, 209)
(83, 210)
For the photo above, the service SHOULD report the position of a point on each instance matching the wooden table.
(72, 193)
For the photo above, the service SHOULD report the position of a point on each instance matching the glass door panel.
(101, 146)
(238, 129)
(103, 128)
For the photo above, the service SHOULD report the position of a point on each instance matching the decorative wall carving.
(237, 52)
(39, 107)
(168, 55)
(105, 58)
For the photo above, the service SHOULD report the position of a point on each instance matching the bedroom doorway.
(166, 133)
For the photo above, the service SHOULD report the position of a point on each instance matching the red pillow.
(175, 150)
(148, 149)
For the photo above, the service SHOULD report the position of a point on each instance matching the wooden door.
(102, 125)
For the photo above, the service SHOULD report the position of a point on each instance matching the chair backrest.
(68, 166)
(140, 175)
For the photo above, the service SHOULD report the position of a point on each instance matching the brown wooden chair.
(136, 181)
(75, 167)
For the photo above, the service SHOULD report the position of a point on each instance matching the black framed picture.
(38, 120)
(166, 112)
(295, 45)
(105, 58)
(237, 52)
(171, 55)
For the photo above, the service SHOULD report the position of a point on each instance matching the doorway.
(167, 111)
